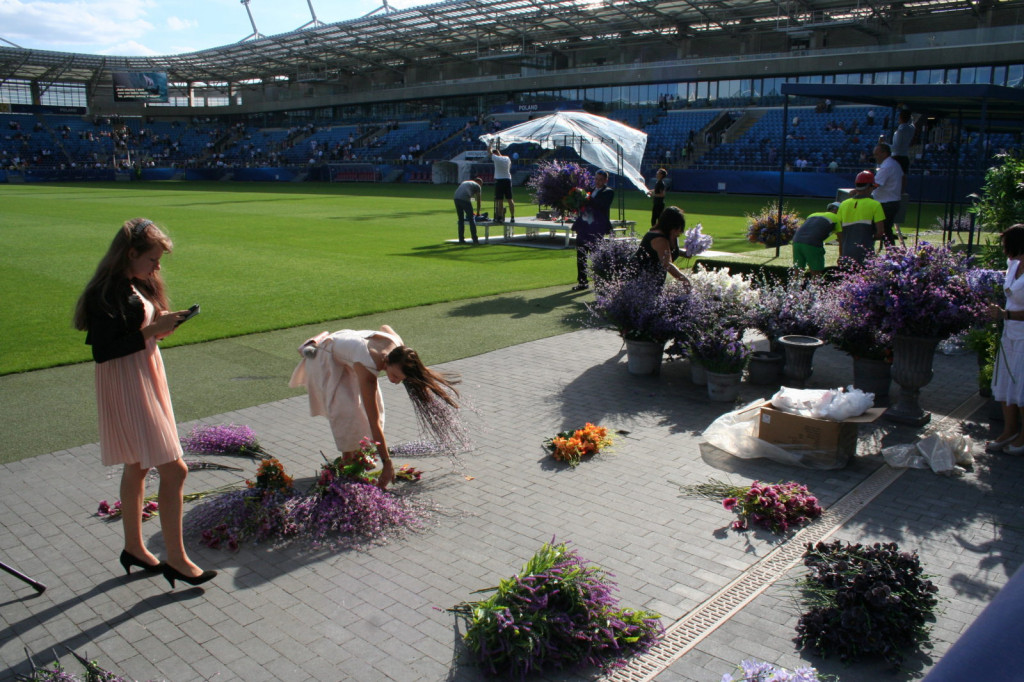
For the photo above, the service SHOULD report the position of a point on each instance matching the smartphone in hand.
(192, 312)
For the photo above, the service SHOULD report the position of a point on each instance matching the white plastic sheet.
(596, 139)
(943, 453)
(734, 432)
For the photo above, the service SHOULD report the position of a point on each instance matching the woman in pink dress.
(124, 309)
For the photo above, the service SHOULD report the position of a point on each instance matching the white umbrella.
(598, 140)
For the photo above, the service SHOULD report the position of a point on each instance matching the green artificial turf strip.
(54, 409)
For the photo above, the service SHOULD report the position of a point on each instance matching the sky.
(139, 28)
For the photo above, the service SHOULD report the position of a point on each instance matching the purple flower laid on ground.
(759, 671)
(559, 612)
(223, 439)
(93, 673)
(775, 506)
(338, 511)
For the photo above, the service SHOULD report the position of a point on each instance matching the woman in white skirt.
(1008, 380)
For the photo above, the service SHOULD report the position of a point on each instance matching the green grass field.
(260, 257)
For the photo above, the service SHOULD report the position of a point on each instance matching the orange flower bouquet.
(572, 446)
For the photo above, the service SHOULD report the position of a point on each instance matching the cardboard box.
(830, 442)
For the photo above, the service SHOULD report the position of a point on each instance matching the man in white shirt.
(502, 185)
(888, 186)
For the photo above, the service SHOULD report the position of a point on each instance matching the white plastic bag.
(836, 404)
(943, 453)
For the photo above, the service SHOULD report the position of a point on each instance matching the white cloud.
(72, 26)
(176, 24)
(129, 48)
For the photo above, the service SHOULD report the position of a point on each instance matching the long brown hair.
(420, 380)
(137, 235)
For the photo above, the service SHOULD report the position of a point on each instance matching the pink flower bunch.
(775, 506)
(113, 511)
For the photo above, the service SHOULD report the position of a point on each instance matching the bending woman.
(124, 309)
(340, 372)
(660, 246)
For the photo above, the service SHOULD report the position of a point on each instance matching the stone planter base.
(643, 357)
(724, 388)
(764, 367)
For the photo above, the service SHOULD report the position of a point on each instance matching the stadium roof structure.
(475, 30)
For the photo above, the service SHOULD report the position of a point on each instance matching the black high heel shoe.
(173, 574)
(128, 560)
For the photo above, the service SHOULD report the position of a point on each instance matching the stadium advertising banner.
(139, 86)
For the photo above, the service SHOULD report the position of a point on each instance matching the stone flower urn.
(799, 354)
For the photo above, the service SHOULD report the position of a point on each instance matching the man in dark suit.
(593, 223)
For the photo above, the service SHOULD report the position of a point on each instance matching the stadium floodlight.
(312, 23)
(255, 32)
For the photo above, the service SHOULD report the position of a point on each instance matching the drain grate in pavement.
(689, 630)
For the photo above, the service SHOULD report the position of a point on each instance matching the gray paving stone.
(372, 615)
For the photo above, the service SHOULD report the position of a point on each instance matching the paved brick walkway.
(378, 614)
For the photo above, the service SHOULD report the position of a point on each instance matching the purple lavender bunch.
(988, 284)
(696, 242)
(559, 612)
(639, 308)
(916, 292)
(224, 439)
(720, 350)
(787, 306)
(554, 182)
(842, 324)
(349, 514)
(238, 516)
(609, 260)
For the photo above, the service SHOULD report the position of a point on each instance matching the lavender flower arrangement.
(696, 242)
(764, 227)
(557, 613)
(224, 439)
(916, 292)
(720, 350)
(787, 307)
(639, 308)
(611, 259)
(554, 183)
(841, 323)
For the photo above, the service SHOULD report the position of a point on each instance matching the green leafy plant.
(1002, 200)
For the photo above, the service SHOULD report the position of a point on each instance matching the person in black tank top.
(660, 246)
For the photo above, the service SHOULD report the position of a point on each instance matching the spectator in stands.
(888, 187)
(862, 219)
(593, 223)
(658, 195)
(833, 167)
(502, 185)
(809, 239)
(464, 196)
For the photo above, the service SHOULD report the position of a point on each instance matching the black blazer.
(113, 334)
